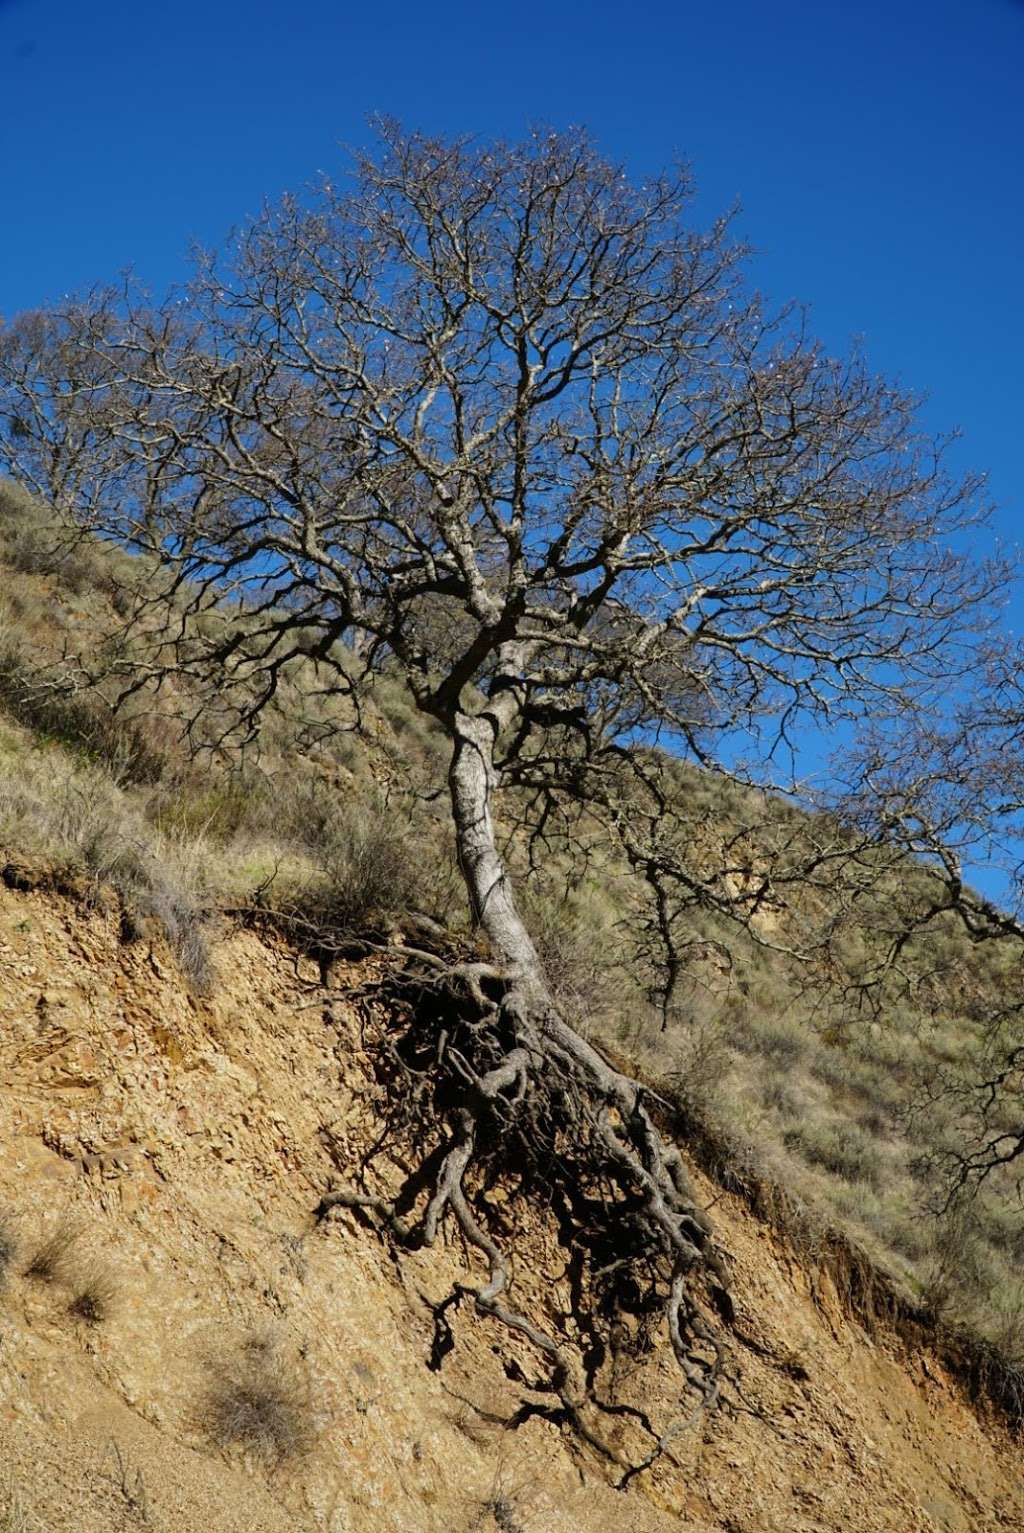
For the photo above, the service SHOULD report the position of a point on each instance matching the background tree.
(949, 792)
(497, 418)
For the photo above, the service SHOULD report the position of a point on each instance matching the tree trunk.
(528, 999)
(471, 780)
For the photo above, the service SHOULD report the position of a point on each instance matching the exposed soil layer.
(177, 1147)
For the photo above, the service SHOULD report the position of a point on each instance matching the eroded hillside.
(844, 1078)
(193, 1351)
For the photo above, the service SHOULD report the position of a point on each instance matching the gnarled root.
(519, 1095)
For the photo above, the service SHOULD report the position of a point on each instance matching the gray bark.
(471, 780)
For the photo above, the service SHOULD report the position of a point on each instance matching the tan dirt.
(189, 1138)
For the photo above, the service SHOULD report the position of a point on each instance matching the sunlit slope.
(325, 828)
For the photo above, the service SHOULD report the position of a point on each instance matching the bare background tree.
(951, 794)
(496, 418)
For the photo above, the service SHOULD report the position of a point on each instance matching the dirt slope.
(191, 1138)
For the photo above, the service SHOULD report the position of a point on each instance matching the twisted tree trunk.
(471, 782)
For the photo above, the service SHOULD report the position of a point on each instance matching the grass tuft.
(257, 1403)
(94, 1295)
(52, 1260)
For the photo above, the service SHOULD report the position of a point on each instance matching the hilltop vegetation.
(831, 1090)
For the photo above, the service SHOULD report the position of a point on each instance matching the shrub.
(56, 709)
(216, 811)
(581, 953)
(699, 1065)
(781, 1041)
(782, 1095)
(963, 1265)
(370, 866)
(1005, 1321)
(256, 1402)
(838, 1147)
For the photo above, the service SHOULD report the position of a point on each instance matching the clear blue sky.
(877, 147)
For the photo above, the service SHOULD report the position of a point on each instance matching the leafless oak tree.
(497, 417)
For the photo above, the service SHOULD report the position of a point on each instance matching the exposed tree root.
(519, 1096)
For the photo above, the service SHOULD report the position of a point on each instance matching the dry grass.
(74, 817)
(53, 1258)
(367, 863)
(94, 1292)
(130, 1483)
(13, 1517)
(257, 1402)
(61, 1257)
(827, 1104)
(508, 1504)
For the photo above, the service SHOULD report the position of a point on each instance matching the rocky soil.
(176, 1147)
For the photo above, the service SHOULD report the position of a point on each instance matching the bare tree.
(496, 417)
(949, 794)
